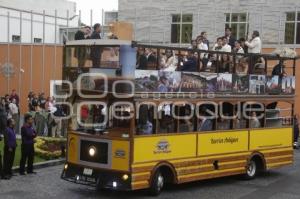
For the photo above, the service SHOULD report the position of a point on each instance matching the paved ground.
(278, 184)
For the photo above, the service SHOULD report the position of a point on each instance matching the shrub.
(49, 148)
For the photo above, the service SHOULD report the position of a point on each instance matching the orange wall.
(22, 82)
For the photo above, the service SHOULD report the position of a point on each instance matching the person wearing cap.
(96, 51)
(27, 146)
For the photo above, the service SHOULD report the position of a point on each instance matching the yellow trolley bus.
(153, 115)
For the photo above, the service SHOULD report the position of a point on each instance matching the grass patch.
(18, 154)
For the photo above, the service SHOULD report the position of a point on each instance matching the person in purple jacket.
(10, 144)
(27, 148)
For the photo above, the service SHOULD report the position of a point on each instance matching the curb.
(41, 165)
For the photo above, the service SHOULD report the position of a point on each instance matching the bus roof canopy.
(98, 42)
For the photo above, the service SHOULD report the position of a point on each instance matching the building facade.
(36, 21)
(179, 21)
(110, 17)
(176, 22)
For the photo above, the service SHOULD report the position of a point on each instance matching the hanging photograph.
(240, 83)
(192, 82)
(146, 80)
(257, 84)
(210, 81)
(146, 59)
(224, 82)
(273, 86)
(168, 81)
(288, 85)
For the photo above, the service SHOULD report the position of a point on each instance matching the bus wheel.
(157, 183)
(251, 170)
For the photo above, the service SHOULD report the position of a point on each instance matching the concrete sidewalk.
(41, 165)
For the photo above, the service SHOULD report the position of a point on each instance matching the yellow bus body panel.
(73, 145)
(164, 147)
(222, 143)
(120, 155)
(270, 138)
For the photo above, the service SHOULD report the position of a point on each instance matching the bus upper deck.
(139, 73)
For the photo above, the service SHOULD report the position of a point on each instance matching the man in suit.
(142, 59)
(231, 40)
(27, 148)
(190, 63)
(10, 144)
(81, 52)
(96, 51)
(3, 120)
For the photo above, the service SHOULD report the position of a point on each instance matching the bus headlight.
(92, 151)
(66, 166)
(125, 177)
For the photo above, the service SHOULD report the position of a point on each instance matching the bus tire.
(157, 183)
(251, 169)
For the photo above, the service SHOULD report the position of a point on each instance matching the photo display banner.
(204, 82)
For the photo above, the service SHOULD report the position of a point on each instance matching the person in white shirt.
(13, 113)
(238, 49)
(202, 46)
(169, 61)
(254, 47)
(226, 47)
(13, 109)
(219, 44)
(193, 44)
(217, 47)
(255, 44)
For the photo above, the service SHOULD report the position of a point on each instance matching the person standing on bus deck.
(27, 147)
(254, 46)
(228, 35)
(81, 52)
(96, 50)
(10, 144)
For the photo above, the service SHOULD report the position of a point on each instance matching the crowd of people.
(168, 60)
(42, 119)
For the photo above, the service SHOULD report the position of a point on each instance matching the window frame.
(181, 23)
(295, 22)
(238, 22)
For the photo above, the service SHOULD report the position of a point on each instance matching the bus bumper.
(102, 179)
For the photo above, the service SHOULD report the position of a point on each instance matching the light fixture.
(115, 184)
(125, 177)
(92, 151)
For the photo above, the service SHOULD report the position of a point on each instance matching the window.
(239, 24)
(292, 28)
(37, 40)
(16, 38)
(181, 28)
